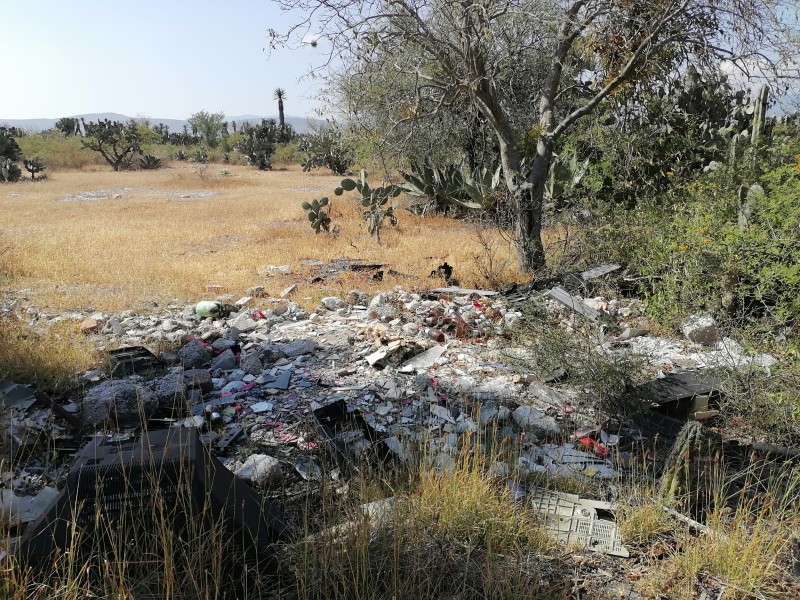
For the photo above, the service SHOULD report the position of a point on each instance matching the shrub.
(327, 147)
(149, 162)
(10, 153)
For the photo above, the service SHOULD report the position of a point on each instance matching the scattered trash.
(132, 360)
(574, 521)
(13, 395)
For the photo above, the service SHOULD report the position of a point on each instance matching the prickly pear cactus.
(318, 217)
(375, 201)
(680, 479)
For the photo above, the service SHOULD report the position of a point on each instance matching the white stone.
(701, 329)
(260, 469)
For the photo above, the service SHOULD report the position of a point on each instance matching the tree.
(280, 95)
(208, 126)
(116, 142)
(68, 126)
(461, 49)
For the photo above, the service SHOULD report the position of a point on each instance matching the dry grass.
(49, 356)
(152, 244)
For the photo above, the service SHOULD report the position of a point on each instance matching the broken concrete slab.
(423, 360)
(564, 297)
(122, 402)
(533, 420)
(194, 355)
(224, 362)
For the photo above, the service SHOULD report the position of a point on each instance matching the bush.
(327, 147)
(10, 153)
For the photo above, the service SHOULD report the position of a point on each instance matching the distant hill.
(300, 124)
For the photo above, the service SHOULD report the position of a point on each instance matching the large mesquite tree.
(464, 48)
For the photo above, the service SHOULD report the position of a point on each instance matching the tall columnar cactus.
(318, 217)
(375, 201)
(760, 113)
(681, 481)
(34, 165)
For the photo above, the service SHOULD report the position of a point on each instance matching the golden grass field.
(151, 244)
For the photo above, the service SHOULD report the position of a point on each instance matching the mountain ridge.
(300, 124)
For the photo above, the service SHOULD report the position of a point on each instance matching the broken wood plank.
(561, 295)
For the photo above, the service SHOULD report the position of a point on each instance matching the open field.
(168, 234)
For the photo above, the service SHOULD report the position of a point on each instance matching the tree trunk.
(528, 238)
(280, 113)
(526, 205)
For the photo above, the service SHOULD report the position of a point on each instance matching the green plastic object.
(208, 308)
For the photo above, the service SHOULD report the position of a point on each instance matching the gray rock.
(280, 308)
(122, 402)
(244, 323)
(198, 379)
(194, 355)
(170, 388)
(298, 348)
(250, 363)
(221, 345)
(257, 291)
(261, 470)
(487, 416)
(288, 291)
(535, 421)
(701, 329)
(232, 334)
(224, 362)
(333, 303)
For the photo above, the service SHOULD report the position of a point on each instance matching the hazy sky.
(166, 58)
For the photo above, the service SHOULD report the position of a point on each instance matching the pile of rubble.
(415, 371)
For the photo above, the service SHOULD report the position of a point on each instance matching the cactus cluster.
(318, 217)
(375, 201)
(34, 165)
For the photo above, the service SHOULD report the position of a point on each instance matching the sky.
(165, 59)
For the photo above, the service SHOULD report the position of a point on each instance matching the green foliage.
(116, 142)
(259, 142)
(287, 153)
(445, 187)
(181, 155)
(209, 126)
(200, 156)
(68, 126)
(34, 165)
(10, 153)
(318, 217)
(149, 162)
(327, 147)
(374, 200)
(654, 137)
